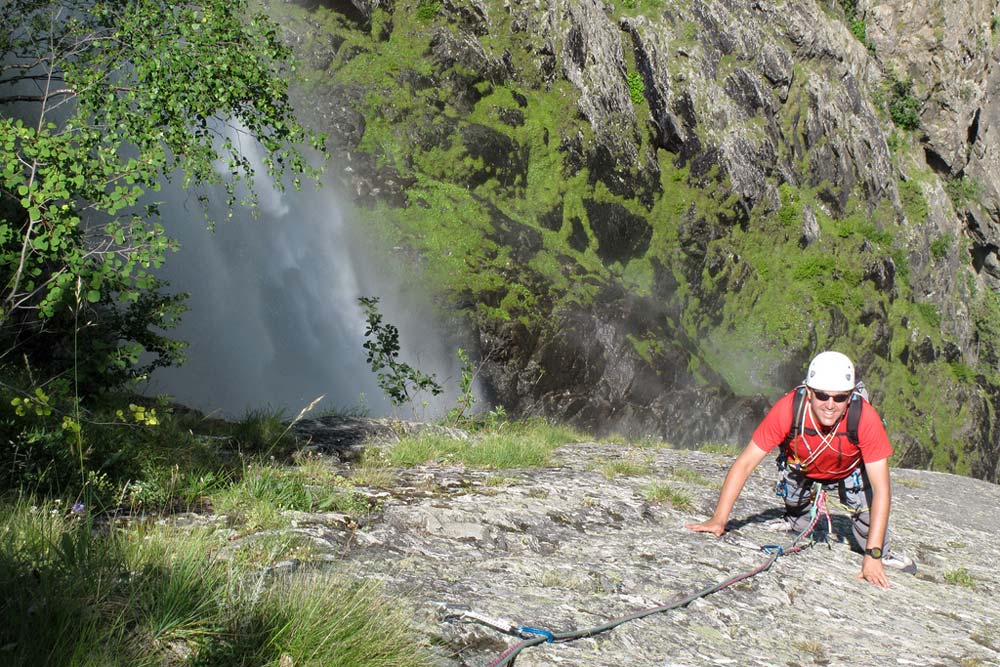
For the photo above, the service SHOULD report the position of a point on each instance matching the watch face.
(875, 552)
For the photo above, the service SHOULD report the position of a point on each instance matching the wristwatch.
(874, 552)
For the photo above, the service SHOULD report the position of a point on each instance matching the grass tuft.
(625, 467)
(658, 493)
(960, 577)
(693, 477)
(264, 492)
(528, 445)
(75, 593)
(720, 448)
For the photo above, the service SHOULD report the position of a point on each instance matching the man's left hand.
(873, 572)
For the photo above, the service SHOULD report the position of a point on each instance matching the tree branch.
(10, 99)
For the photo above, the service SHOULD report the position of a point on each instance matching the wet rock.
(501, 157)
(620, 234)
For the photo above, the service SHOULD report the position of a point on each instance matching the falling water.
(274, 320)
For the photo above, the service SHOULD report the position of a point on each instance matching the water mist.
(274, 320)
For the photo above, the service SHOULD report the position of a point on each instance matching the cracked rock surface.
(572, 547)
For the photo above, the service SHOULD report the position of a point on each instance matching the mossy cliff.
(654, 213)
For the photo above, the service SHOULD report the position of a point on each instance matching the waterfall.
(274, 319)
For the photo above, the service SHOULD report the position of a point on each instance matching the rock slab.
(576, 546)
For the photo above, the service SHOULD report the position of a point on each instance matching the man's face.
(828, 406)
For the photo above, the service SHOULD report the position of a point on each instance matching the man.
(816, 446)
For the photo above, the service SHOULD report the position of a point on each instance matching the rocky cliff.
(651, 214)
(578, 545)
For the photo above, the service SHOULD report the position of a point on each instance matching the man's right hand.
(713, 526)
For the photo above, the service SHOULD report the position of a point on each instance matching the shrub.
(790, 213)
(913, 200)
(941, 246)
(860, 30)
(904, 108)
(399, 381)
(963, 190)
(428, 9)
(636, 88)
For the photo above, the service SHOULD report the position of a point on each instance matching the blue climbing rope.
(538, 636)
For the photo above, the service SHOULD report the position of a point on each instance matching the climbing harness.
(799, 429)
(535, 636)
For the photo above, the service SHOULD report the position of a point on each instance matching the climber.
(817, 444)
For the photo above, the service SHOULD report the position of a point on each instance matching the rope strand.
(507, 657)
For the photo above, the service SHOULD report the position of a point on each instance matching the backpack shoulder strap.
(797, 415)
(854, 418)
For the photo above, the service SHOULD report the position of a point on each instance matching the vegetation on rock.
(531, 196)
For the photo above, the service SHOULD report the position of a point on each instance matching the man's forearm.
(878, 519)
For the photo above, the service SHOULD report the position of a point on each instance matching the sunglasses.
(823, 397)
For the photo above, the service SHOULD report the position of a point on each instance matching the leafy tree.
(100, 102)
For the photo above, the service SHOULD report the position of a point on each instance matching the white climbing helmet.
(830, 371)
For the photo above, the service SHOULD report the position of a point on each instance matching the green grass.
(625, 467)
(375, 469)
(659, 493)
(75, 594)
(748, 300)
(909, 482)
(720, 448)
(529, 445)
(259, 497)
(692, 476)
(960, 577)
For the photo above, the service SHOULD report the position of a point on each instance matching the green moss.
(914, 203)
(636, 88)
(941, 246)
(551, 270)
(648, 347)
(928, 313)
(637, 276)
(963, 191)
(790, 213)
(747, 296)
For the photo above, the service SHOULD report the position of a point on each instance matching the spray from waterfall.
(274, 319)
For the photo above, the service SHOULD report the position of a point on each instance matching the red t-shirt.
(821, 456)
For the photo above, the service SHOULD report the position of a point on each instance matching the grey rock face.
(742, 97)
(951, 53)
(570, 548)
